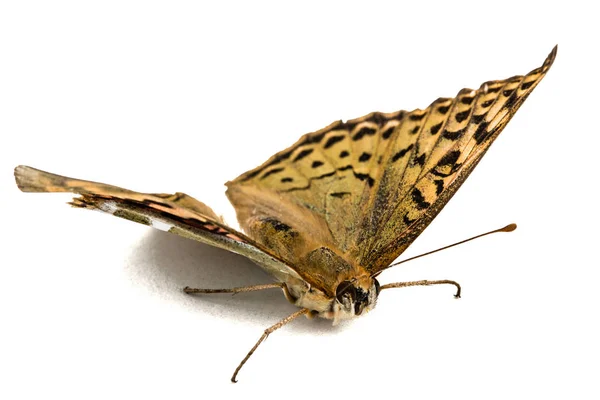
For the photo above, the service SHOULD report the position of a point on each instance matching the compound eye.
(345, 289)
(377, 286)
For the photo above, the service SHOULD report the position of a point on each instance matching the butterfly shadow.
(164, 264)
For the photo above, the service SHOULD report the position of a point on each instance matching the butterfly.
(327, 215)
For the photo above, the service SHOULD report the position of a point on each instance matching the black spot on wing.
(313, 138)
(461, 116)
(316, 164)
(407, 221)
(477, 118)
(416, 116)
(388, 132)
(303, 154)
(482, 133)
(453, 135)
(364, 157)
(420, 160)
(436, 128)
(511, 100)
(333, 140)
(364, 131)
(488, 103)
(419, 200)
(467, 100)
(443, 109)
(364, 177)
(344, 154)
(449, 158)
(415, 130)
(402, 153)
(340, 195)
(271, 172)
(287, 179)
(377, 118)
(527, 85)
(439, 186)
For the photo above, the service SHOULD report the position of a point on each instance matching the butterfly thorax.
(332, 284)
(340, 289)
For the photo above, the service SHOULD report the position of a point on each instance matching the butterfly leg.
(267, 332)
(244, 289)
(424, 283)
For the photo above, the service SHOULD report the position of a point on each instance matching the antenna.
(507, 228)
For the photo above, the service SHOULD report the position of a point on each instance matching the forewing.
(369, 186)
(175, 213)
(413, 186)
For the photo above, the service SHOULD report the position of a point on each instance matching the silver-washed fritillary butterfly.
(327, 215)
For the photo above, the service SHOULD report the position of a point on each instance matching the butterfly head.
(355, 297)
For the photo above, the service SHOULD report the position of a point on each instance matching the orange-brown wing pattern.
(369, 186)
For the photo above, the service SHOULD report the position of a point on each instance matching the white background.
(181, 96)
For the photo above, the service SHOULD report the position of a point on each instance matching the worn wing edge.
(33, 180)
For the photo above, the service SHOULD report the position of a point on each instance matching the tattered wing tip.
(30, 179)
(18, 176)
(27, 179)
(79, 202)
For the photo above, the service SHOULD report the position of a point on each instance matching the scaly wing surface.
(369, 186)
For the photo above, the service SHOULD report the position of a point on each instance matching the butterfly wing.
(176, 213)
(369, 186)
